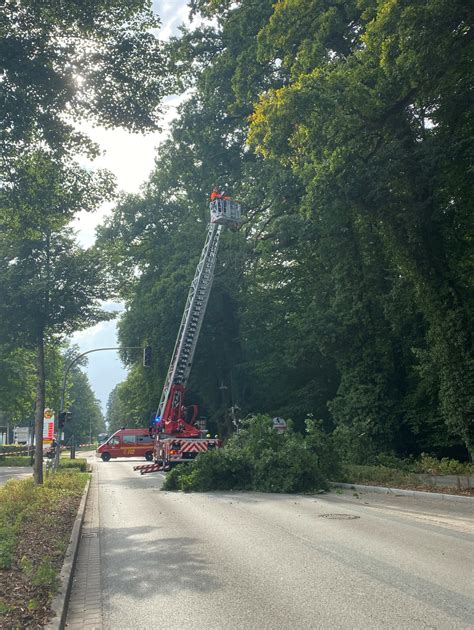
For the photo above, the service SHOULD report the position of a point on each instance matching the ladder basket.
(225, 212)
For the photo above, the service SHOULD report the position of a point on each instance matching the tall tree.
(99, 61)
(63, 62)
(87, 418)
(364, 123)
(50, 286)
(350, 296)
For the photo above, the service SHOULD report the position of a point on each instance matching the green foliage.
(34, 604)
(37, 521)
(395, 472)
(17, 382)
(7, 546)
(46, 576)
(374, 169)
(87, 419)
(15, 460)
(44, 51)
(67, 464)
(214, 470)
(130, 403)
(445, 466)
(426, 464)
(323, 446)
(24, 502)
(101, 62)
(345, 130)
(50, 286)
(255, 458)
(378, 475)
(11, 448)
(4, 608)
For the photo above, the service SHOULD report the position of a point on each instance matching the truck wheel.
(105, 457)
(149, 456)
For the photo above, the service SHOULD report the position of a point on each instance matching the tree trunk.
(39, 411)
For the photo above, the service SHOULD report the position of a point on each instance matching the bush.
(378, 474)
(22, 500)
(353, 444)
(15, 460)
(257, 458)
(444, 466)
(215, 470)
(323, 446)
(13, 448)
(80, 464)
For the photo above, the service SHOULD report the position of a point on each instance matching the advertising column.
(48, 427)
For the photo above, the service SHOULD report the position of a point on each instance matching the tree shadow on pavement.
(138, 566)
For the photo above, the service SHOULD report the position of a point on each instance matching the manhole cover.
(339, 517)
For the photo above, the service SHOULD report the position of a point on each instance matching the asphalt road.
(14, 472)
(228, 561)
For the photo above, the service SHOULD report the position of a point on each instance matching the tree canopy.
(63, 63)
(345, 129)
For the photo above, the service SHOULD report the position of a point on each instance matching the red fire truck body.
(175, 450)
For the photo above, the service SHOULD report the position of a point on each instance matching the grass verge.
(64, 464)
(394, 478)
(74, 464)
(15, 460)
(35, 527)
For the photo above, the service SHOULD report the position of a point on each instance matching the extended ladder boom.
(171, 411)
(191, 322)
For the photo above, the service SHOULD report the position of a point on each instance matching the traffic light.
(64, 416)
(147, 356)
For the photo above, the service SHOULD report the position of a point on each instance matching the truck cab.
(127, 443)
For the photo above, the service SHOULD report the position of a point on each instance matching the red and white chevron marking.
(194, 447)
(148, 468)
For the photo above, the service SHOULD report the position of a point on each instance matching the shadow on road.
(140, 567)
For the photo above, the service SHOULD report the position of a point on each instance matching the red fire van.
(127, 443)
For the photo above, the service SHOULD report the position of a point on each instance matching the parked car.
(127, 443)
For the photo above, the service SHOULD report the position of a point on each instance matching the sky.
(131, 158)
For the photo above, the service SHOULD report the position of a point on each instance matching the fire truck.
(179, 435)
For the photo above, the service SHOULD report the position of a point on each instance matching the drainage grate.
(89, 535)
(339, 517)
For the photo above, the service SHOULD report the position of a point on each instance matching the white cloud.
(129, 156)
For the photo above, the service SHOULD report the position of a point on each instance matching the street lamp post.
(63, 389)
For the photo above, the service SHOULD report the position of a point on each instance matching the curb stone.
(61, 599)
(407, 493)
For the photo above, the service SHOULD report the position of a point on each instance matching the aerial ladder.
(179, 435)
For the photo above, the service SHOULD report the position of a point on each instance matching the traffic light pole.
(63, 388)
